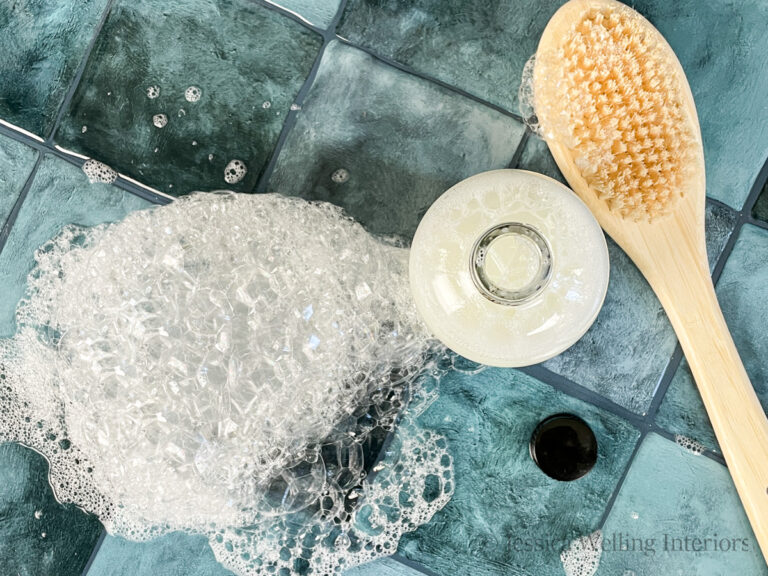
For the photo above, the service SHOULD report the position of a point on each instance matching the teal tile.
(318, 13)
(682, 410)
(384, 144)
(760, 210)
(43, 43)
(59, 195)
(175, 554)
(39, 536)
(383, 567)
(625, 352)
(16, 162)
(742, 289)
(722, 47)
(480, 47)
(670, 495)
(502, 502)
(247, 61)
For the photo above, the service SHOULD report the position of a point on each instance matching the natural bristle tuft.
(612, 95)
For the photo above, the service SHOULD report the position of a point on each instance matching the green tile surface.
(39, 536)
(482, 48)
(175, 554)
(625, 352)
(60, 194)
(668, 496)
(320, 13)
(16, 162)
(42, 45)
(502, 501)
(742, 289)
(399, 140)
(248, 61)
(383, 567)
(760, 210)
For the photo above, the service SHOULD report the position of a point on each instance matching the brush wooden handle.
(733, 407)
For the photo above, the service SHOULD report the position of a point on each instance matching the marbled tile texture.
(384, 145)
(42, 44)
(134, 110)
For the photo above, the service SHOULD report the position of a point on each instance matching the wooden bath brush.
(615, 108)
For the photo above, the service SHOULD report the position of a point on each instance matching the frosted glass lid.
(509, 268)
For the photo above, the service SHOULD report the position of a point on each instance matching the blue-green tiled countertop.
(406, 97)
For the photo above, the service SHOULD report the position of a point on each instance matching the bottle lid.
(509, 268)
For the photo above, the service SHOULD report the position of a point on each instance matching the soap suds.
(219, 366)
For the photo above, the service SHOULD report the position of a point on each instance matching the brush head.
(608, 87)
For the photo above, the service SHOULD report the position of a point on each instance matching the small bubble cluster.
(582, 557)
(193, 94)
(611, 93)
(153, 92)
(340, 176)
(235, 171)
(223, 365)
(160, 120)
(98, 172)
(690, 445)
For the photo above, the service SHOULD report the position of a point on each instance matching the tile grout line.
(11, 220)
(95, 551)
(432, 79)
(649, 424)
(290, 120)
(527, 135)
(412, 564)
(79, 74)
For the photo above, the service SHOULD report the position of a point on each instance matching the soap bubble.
(160, 120)
(153, 92)
(340, 176)
(230, 365)
(98, 172)
(235, 171)
(582, 557)
(192, 94)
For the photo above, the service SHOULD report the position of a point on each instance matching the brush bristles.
(612, 96)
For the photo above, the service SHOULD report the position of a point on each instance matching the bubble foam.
(225, 365)
(98, 172)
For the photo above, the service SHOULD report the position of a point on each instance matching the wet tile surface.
(60, 195)
(722, 47)
(482, 49)
(384, 145)
(760, 210)
(16, 162)
(625, 352)
(383, 567)
(478, 47)
(43, 43)
(318, 13)
(741, 288)
(171, 555)
(502, 501)
(39, 536)
(668, 496)
(247, 61)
